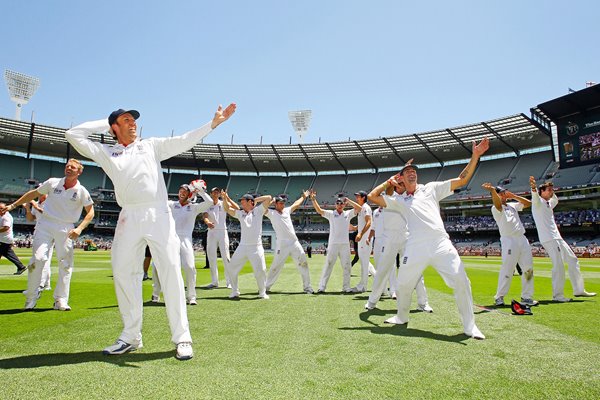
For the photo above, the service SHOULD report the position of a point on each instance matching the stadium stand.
(272, 185)
(492, 171)
(581, 175)
(528, 165)
(212, 181)
(297, 184)
(358, 182)
(240, 185)
(328, 187)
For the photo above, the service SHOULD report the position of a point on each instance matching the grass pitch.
(297, 346)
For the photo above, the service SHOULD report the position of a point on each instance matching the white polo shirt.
(339, 225)
(543, 215)
(509, 223)
(217, 215)
(377, 222)
(282, 223)
(422, 210)
(185, 216)
(7, 220)
(251, 224)
(365, 212)
(63, 205)
(135, 169)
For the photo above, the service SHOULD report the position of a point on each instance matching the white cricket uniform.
(251, 249)
(287, 244)
(392, 242)
(515, 249)
(364, 248)
(429, 244)
(46, 272)
(558, 250)
(145, 219)
(338, 246)
(217, 237)
(185, 220)
(62, 209)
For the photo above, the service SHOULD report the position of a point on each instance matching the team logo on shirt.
(57, 191)
(404, 260)
(74, 197)
(116, 153)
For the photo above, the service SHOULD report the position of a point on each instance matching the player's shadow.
(11, 291)
(402, 330)
(556, 303)
(57, 359)
(20, 311)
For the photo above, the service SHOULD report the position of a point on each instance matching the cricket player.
(7, 239)
(250, 248)
(543, 201)
(133, 165)
(391, 242)
(365, 217)
(62, 209)
(216, 220)
(339, 241)
(428, 242)
(33, 210)
(515, 246)
(287, 242)
(185, 213)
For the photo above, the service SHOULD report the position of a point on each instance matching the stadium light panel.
(21, 88)
(300, 121)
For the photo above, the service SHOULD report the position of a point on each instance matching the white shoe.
(476, 334)
(30, 304)
(394, 295)
(499, 301)
(263, 296)
(61, 305)
(234, 295)
(395, 320)
(155, 298)
(193, 301)
(229, 286)
(530, 302)
(212, 286)
(309, 290)
(425, 308)
(121, 347)
(561, 299)
(369, 305)
(586, 294)
(184, 351)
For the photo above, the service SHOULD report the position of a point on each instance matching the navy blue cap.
(117, 113)
(361, 193)
(247, 196)
(500, 189)
(280, 198)
(339, 201)
(413, 166)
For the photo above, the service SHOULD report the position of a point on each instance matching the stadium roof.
(512, 134)
(579, 102)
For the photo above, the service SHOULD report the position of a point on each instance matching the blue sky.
(366, 69)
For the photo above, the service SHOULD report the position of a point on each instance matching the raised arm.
(526, 202)
(315, 203)
(89, 216)
(26, 198)
(300, 200)
(357, 207)
(265, 200)
(495, 198)
(375, 196)
(226, 203)
(467, 173)
(78, 137)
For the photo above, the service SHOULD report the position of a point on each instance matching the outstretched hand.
(488, 186)
(532, 183)
(482, 147)
(222, 115)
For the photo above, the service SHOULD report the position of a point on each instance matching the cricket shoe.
(61, 305)
(184, 351)
(121, 347)
(425, 308)
(155, 298)
(369, 305)
(234, 295)
(530, 302)
(20, 271)
(309, 290)
(586, 294)
(476, 334)
(561, 299)
(30, 304)
(395, 320)
(499, 301)
(263, 296)
(211, 286)
(358, 289)
(192, 301)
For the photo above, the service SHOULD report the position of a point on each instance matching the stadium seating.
(492, 171)
(328, 187)
(581, 175)
(358, 182)
(528, 165)
(240, 185)
(297, 184)
(272, 185)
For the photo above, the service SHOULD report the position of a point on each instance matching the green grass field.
(297, 346)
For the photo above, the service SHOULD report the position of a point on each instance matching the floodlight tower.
(21, 88)
(300, 121)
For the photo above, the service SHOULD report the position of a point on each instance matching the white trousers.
(46, 272)
(284, 249)
(364, 256)
(256, 255)
(188, 265)
(441, 255)
(155, 227)
(217, 238)
(560, 253)
(515, 249)
(46, 234)
(386, 270)
(333, 252)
